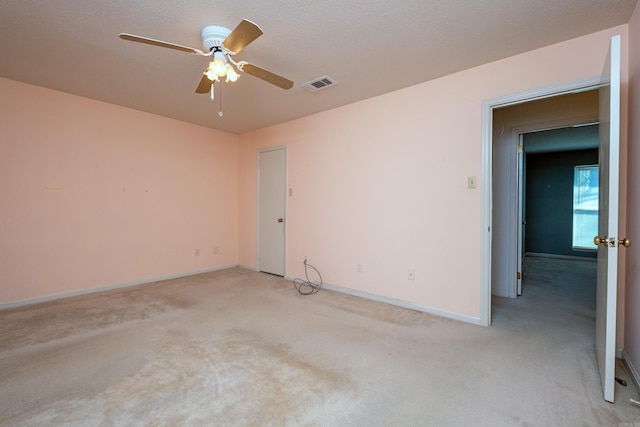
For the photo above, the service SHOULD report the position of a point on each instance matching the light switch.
(472, 182)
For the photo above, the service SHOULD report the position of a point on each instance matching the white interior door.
(271, 210)
(608, 162)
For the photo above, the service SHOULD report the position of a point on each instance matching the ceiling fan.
(222, 44)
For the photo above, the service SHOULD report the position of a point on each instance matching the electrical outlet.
(197, 252)
(216, 250)
(411, 274)
(359, 268)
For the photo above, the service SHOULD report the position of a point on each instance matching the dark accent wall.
(549, 201)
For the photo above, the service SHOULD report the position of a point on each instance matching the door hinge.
(519, 275)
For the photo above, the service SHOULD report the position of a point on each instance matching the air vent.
(319, 83)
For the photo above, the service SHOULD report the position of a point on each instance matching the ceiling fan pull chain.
(220, 100)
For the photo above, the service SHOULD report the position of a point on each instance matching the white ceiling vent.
(319, 83)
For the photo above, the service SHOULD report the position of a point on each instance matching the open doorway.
(537, 146)
(559, 203)
(496, 146)
(510, 124)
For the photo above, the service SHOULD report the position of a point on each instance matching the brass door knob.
(624, 242)
(280, 220)
(598, 240)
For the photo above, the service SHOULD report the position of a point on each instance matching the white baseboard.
(635, 376)
(29, 301)
(400, 303)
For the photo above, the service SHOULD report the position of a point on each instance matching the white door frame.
(518, 137)
(520, 214)
(487, 167)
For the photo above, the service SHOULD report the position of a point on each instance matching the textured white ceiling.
(369, 47)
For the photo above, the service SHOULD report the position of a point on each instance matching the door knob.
(280, 219)
(624, 242)
(604, 241)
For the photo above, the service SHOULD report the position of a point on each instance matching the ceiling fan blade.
(241, 36)
(160, 43)
(204, 86)
(267, 76)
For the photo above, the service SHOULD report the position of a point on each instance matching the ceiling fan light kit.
(213, 38)
(222, 44)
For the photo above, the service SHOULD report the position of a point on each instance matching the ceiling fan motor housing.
(213, 36)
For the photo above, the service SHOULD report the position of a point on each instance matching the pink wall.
(383, 182)
(632, 319)
(97, 195)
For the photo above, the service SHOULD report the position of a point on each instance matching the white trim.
(487, 166)
(29, 301)
(577, 86)
(272, 148)
(520, 175)
(485, 215)
(635, 376)
(400, 303)
(580, 120)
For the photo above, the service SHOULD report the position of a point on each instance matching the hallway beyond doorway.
(555, 318)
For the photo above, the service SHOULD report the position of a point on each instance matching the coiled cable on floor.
(308, 287)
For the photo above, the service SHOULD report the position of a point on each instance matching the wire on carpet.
(308, 287)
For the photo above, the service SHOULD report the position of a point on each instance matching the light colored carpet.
(239, 348)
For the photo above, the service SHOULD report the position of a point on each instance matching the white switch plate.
(472, 182)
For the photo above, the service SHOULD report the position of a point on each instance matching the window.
(585, 206)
